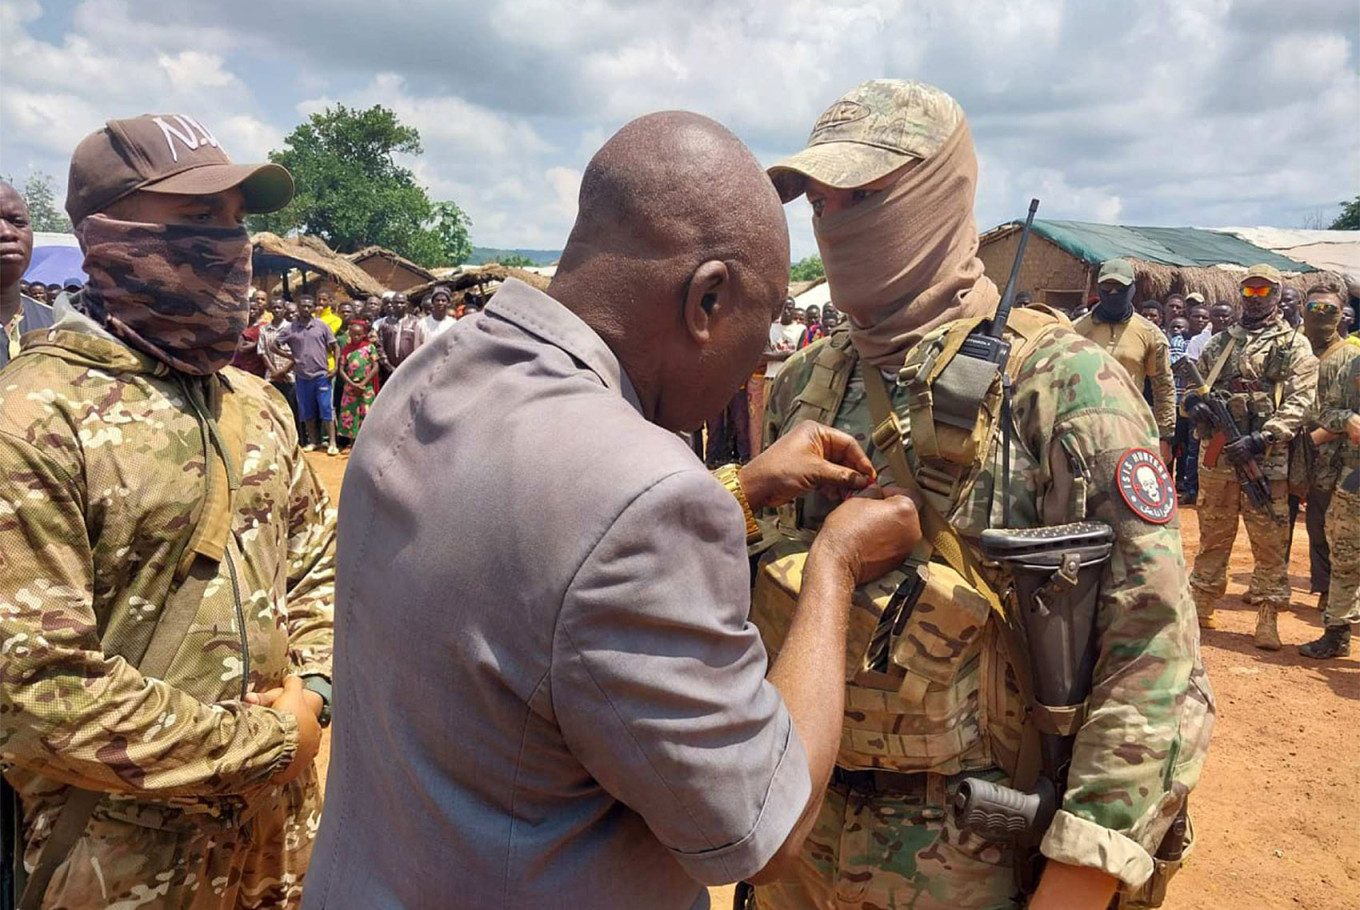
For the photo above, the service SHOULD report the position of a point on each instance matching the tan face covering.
(905, 260)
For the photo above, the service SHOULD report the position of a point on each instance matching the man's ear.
(707, 299)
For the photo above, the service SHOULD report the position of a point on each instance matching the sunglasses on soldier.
(1261, 290)
(1327, 307)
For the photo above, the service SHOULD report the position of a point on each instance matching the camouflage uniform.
(1323, 464)
(1338, 400)
(1143, 742)
(1271, 375)
(103, 471)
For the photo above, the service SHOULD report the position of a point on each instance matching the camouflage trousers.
(873, 852)
(1343, 537)
(1221, 501)
(135, 855)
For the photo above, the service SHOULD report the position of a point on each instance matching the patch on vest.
(1146, 486)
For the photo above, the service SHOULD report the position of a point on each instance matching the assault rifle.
(1056, 572)
(1208, 408)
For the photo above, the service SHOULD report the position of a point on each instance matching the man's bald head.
(676, 183)
(679, 259)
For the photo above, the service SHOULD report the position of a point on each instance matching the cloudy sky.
(1203, 112)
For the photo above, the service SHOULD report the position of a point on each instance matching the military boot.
(1267, 636)
(1204, 611)
(1251, 598)
(1335, 642)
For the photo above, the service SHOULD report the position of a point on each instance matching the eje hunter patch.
(1146, 486)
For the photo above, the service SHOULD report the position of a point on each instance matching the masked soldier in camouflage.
(166, 555)
(1265, 369)
(890, 173)
(1335, 490)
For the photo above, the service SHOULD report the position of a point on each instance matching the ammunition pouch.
(916, 657)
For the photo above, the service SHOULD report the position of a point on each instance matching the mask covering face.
(1116, 304)
(905, 260)
(1257, 311)
(1322, 328)
(174, 292)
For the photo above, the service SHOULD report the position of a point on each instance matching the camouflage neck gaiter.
(176, 292)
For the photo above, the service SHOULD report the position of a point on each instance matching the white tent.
(1332, 251)
(818, 296)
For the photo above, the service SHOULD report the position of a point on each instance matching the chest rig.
(931, 684)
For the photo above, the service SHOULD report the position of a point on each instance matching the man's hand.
(868, 536)
(1353, 429)
(305, 707)
(1244, 448)
(1166, 453)
(810, 457)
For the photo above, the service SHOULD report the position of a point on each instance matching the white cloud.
(1161, 112)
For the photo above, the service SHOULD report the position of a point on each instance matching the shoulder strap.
(181, 606)
(937, 533)
(832, 365)
(1221, 362)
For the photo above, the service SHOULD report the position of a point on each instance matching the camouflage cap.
(869, 132)
(1195, 297)
(1262, 270)
(1120, 270)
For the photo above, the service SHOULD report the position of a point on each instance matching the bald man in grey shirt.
(547, 693)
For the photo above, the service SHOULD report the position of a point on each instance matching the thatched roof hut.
(1063, 259)
(308, 261)
(392, 270)
(485, 279)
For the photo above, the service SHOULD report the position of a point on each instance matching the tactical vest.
(1252, 399)
(939, 690)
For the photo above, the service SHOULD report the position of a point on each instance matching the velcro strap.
(819, 395)
(1060, 721)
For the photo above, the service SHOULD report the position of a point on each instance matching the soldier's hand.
(293, 701)
(1244, 448)
(1353, 429)
(869, 536)
(809, 457)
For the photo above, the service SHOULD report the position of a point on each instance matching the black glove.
(1244, 448)
(1197, 409)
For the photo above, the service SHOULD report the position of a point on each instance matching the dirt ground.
(1278, 809)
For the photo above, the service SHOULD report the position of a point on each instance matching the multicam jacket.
(111, 483)
(1337, 395)
(1144, 739)
(1338, 400)
(1270, 377)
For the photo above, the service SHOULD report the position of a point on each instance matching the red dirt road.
(1278, 809)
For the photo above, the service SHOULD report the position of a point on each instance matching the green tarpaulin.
(1194, 247)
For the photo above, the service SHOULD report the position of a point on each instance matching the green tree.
(43, 211)
(807, 269)
(352, 192)
(1349, 219)
(515, 260)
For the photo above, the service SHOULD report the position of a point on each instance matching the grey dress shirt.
(547, 692)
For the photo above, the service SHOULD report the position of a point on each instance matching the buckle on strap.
(888, 433)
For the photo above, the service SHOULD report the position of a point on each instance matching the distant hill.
(484, 254)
